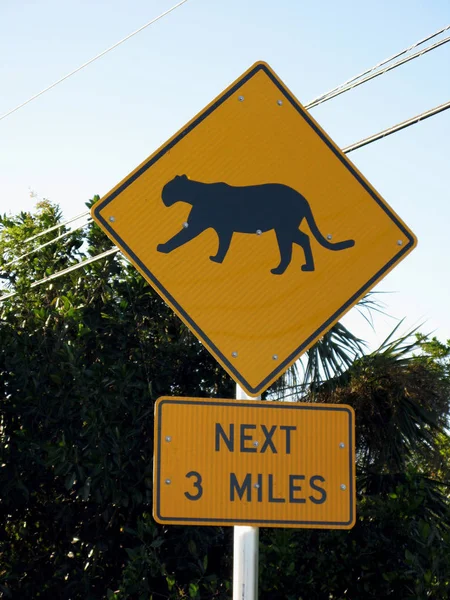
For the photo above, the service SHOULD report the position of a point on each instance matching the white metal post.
(245, 549)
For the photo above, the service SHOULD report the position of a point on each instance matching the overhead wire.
(54, 84)
(74, 267)
(364, 142)
(375, 74)
(382, 63)
(52, 241)
(346, 86)
(403, 125)
(71, 220)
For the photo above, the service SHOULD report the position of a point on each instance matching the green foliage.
(82, 360)
(400, 545)
(396, 549)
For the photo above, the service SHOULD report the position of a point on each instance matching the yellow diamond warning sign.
(255, 228)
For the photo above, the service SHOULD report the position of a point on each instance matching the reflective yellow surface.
(254, 322)
(273, 464)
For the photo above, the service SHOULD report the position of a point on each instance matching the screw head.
(343, 487)
(185, 224)
(399, 242)
(255, 443)
(112, 219)
(168, 481)
(342, 445)
(168, 438)
(256, 485)
(329, 236)
(275, 357)
(258, 232)
(279, 102)
(241, 98)
(234, 354)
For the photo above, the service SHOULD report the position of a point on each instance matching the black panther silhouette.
(248, 209)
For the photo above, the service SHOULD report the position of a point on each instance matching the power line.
(382, 63)
(74, 267)
(59, 237)
(398, 127)
(346, 88)
(364, 142)
(93, 59)
(33, 237)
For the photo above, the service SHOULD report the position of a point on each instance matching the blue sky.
(85, 135)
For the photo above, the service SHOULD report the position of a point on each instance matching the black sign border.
(157, 479)
(281, 367)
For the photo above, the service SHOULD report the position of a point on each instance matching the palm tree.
(400, 545)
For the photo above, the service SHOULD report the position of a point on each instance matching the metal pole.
(245, 549)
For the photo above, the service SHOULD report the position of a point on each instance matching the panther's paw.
(307, 267)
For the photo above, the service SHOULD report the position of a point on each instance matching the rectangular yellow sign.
(269, 464)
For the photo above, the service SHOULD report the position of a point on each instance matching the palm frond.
(401, 400)
(371, 304)
(328, 359)
(326, 363)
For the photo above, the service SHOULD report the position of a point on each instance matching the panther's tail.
(321, 239)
